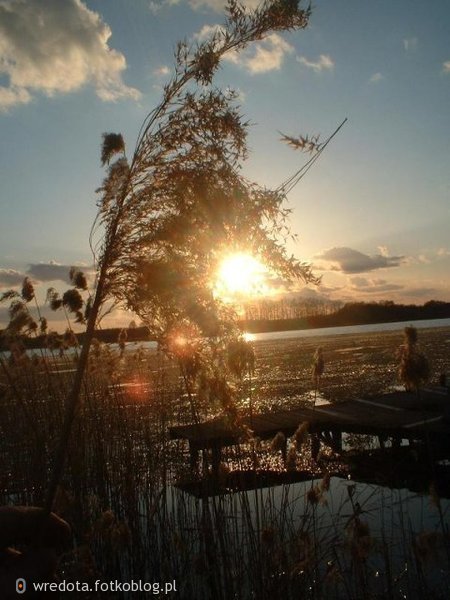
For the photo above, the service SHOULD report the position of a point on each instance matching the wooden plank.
(377, 404)
(423, 422)
(384, 414)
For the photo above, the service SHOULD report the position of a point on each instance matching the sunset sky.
(373, 215)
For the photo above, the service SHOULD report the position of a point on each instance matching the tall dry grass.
(319, 539)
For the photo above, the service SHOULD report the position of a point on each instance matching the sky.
(372, 215)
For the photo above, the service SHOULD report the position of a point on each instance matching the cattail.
(70, 339)
(325, 483)
(18, 352)
(27, 290)
(291, 459)
(112, 144)
(8, 295)
(79, 317)
(53, 299)
(278, 442)
(123, 336)
(78, 278)
(414, 368)
(301, 433)
(411, 337)
(360, 539)
(313, 495)
(21, 321)
(318, 366)
(16, 307)
(72, 300)
(43, 325)
(54, 341)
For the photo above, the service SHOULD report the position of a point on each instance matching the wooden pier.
(396, 415)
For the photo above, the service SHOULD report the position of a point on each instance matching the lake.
(348, 329)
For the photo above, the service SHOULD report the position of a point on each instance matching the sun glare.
(241, 275)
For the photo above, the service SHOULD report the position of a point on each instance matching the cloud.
(216, 5)
(13, 96)
(446, 67)
(306, 294)
(264, 56)
(240, 95)
(327, 289)
(428, 256)
(161, 71)
(156, 6)
(324, 63)
(359, 282)
(424, 293)
(200, 5)
(376, 78)
(410, 44)
(206, 32)
(56, 320)
(52, 47)
(10, 278)
(53, 271)
(351, 261)
(374, 286)
(40, 272)
(267, 55)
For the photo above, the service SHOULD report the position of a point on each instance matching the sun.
(241, 274)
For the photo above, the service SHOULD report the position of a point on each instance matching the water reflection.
(337, 539)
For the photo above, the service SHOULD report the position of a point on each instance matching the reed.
(328, 538)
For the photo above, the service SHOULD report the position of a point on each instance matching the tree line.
(284, 315)
(289, 314)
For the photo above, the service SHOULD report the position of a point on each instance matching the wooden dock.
(397, 415)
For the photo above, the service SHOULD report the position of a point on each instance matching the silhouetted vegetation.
(169, 212)
(352, 313)
(358, 313)
(315, 314)
(320, 539)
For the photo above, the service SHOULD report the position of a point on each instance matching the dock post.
(193, 455)
(216, 456)
(396, 441)
(336, 441)
(382, 438)
(315, 446)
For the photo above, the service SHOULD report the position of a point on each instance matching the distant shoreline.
(268, 326)
(257, 326)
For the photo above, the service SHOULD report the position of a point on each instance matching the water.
(352, 525)
(279, 335)
(347, 330)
